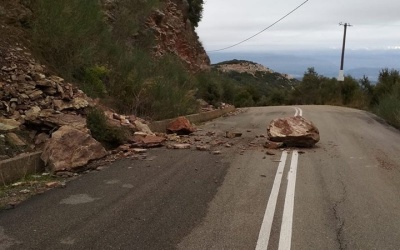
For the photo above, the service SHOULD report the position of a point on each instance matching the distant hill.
(256, 82)
(247, 72)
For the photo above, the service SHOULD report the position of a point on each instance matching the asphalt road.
(342, 194)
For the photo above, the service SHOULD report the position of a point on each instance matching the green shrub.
(93, 81)
(389, 109)
(69, 34)
(103, 132)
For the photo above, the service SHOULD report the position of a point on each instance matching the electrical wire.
(245, 40)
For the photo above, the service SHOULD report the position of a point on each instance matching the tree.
(195, 11)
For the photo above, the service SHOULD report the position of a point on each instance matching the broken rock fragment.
(232, 134)
(293, 131)
(147, 141)
(181, 146)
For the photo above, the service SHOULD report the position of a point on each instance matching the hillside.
(266, 86)
(61, 61)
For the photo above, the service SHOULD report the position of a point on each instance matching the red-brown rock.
(147, 141)
(293, 131)
(180, 126)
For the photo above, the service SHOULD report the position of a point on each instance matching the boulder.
(140, 126)
(180, 126)
(75, 104)
(293, 131)
(70, 148)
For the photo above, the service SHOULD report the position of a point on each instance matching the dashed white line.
(265, 231)
(285, 238)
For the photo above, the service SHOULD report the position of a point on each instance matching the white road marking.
(285, 238)
(266, 225)
(299, 111)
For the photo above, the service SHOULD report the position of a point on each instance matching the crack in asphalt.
(339, 219)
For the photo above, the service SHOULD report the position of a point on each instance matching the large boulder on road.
(69, 148)
(180, 126)
(293, 131)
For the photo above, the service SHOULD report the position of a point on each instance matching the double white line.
(287, 218)
(285, 237)
(299, 111)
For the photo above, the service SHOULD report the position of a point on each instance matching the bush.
(101, 131)
(195, 11)
(69, 33)
(93, 81)
(389, 109)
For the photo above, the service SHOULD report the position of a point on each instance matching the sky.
(314, 26)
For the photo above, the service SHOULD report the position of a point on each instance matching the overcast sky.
(313, 26)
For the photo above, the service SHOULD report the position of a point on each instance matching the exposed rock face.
(181, 126)
(70, 148)
(293, 132)
(175, 34)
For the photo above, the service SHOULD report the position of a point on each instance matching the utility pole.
(341, 72)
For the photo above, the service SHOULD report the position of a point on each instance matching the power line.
(262, 30)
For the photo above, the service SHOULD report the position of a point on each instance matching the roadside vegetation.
(382, 98)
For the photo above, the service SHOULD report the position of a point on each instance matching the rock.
(231, 134)
(58, 120)
(181, 146)
(270, 152)
(273, 145)
(180, 126)
(8, 125)
(25, 191)
(293, 131)
(216, 152)
(76, 103)
(142, 127)
(32, 113)
(41, 138)
(203, 147)
(52, 184)
(147, 141)
(13, 139)
(139, 150)
(70, 148)
(35, 95)
(124, 148)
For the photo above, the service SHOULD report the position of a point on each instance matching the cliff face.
(172, 30)
(175, 34)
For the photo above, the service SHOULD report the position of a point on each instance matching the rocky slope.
(175, 34)
(35, 102)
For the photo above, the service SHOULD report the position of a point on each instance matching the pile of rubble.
(39, 110)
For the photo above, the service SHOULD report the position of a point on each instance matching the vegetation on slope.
(113, 62)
